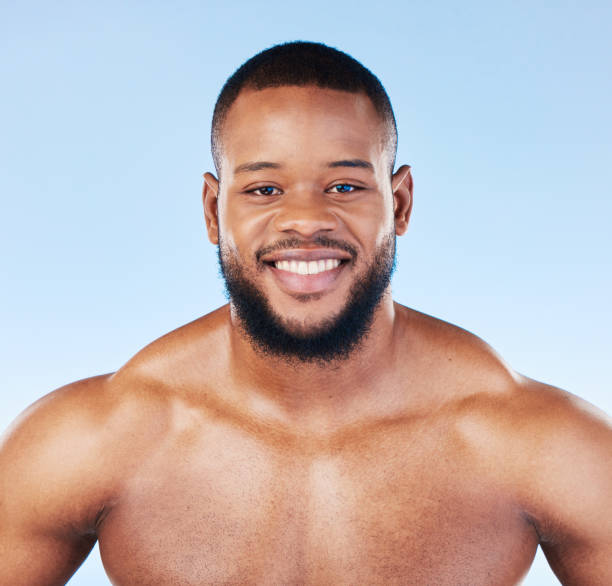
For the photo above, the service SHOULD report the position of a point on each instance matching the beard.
(333, 339)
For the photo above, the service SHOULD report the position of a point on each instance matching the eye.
(343, 188)
(265, 190)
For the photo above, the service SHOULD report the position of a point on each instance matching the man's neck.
(314, 394)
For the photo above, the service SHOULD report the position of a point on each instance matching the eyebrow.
(352, 163)
(256, 166)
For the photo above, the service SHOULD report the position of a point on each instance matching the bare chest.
(229, 508)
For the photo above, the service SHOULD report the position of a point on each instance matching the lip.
(306, 254)
(295, 284)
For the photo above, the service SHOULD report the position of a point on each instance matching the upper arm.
(571, 488)
(49, 489)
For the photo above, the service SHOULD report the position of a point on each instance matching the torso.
(208, 497)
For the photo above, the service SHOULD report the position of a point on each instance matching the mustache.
(291, 243)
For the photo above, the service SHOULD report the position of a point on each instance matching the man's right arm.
(51, 490)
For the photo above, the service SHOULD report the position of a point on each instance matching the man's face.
(304, 215)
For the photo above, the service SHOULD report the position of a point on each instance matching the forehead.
(302, 122)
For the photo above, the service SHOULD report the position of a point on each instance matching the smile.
(303, 277)
(307, 270)
(311, 267)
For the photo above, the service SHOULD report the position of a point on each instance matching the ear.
(210, 195)
(401, 185)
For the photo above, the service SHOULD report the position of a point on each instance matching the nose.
(305, 214)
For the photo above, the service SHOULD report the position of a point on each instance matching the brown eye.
(266, 190)
(344, 188)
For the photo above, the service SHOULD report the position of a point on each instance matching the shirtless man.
(312, 431)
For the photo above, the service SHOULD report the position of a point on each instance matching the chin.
(307, 327)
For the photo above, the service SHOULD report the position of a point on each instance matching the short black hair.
(302, 63)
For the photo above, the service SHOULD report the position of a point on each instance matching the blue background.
(503, 111)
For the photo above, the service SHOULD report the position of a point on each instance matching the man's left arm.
(572, 486)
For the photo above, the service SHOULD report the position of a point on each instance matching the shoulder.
(52, 456)
(542, 437)
(73, 449)
(92, 411)
(561, 450)
(548, 448)
(555, 455)
(75, 411)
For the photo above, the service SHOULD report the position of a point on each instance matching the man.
(312, 431)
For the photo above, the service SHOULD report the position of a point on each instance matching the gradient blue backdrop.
(503, 111)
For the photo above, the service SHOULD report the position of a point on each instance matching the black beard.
(336, 337)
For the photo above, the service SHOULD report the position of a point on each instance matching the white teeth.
(312, 267)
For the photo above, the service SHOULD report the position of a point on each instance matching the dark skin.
(421, 459)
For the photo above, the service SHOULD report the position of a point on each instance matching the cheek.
(242, 227)
(386, 221)
(371, 223)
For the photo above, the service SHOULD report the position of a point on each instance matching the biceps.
(39, 545)
(585, 563)
(32, 560)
